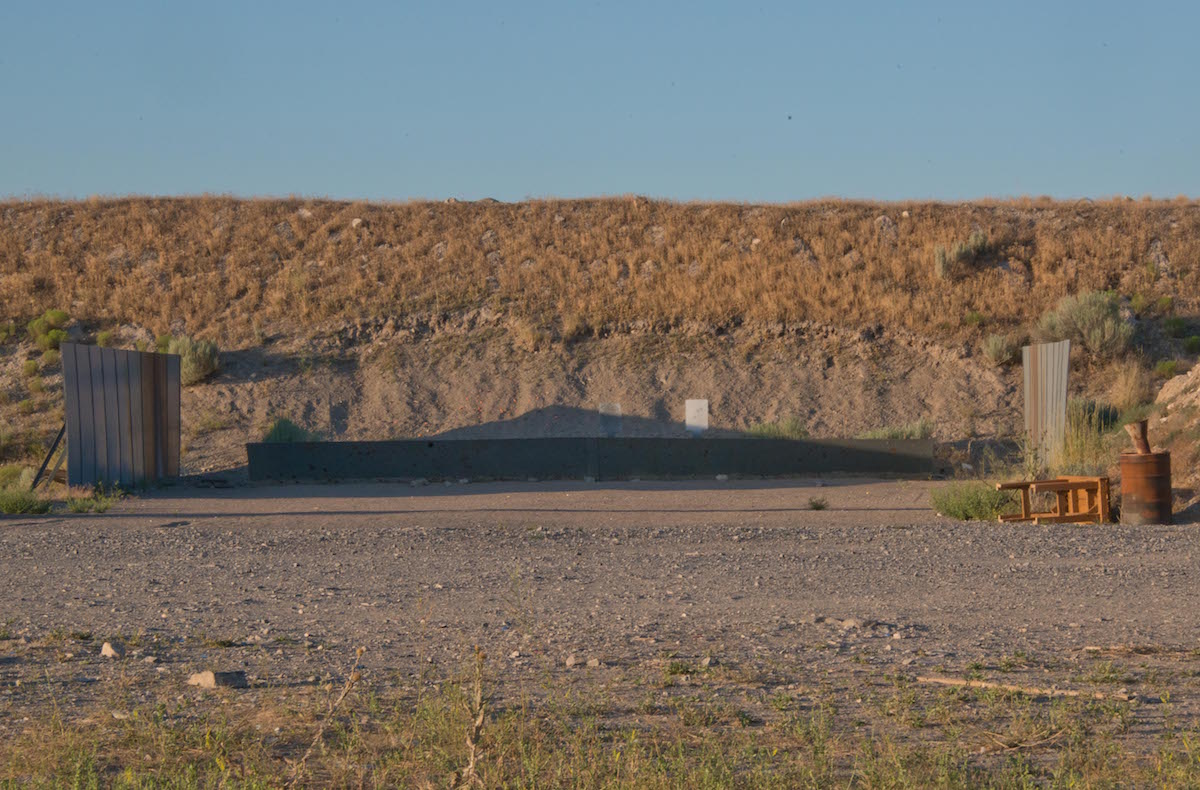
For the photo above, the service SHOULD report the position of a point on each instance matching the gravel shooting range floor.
(711, 614)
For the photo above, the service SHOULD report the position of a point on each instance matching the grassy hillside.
(231, 269)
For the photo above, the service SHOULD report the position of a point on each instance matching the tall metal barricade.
(122, 415)
(1046, 368)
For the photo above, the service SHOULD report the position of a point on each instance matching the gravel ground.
(285, 582)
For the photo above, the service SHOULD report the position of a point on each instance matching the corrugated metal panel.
(122, 415)
(1046, 368)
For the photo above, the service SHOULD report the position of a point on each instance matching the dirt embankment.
(475, 384)
(381, 320)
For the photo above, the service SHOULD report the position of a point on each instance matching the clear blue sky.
(758, 102)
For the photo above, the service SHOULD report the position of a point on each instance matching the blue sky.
(751, 102)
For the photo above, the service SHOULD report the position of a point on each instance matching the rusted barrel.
(1146, 488)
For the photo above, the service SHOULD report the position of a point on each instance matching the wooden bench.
(1077, 500)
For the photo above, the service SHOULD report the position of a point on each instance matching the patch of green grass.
(18, 501)
(99, 501)
(29, 368)
(789, 428)
(284, 430)
(104, 338)
(971, 501)
(1166, 368)
(920, 429)
(974, 318)
(1174, 326)
(51, 357)
(818, 503)
(1192, 344)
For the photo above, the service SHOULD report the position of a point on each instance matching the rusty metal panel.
(122, 415)
(1046, 369)
(171, 405)
(137, 443)
(149, 431)
(71, 396)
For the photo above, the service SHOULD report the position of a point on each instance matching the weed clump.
(17, 501)
(1001, 350)
(971, 501)
(920, 429)
(790, 428)
(1086, 444)
(1092, 320)
(1166, 368)
(198, 358)
(1174, 326)
(284, 430)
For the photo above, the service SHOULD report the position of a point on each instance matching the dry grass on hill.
(227, 269)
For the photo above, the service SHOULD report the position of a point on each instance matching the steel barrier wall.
(579, 458)
(122, 415)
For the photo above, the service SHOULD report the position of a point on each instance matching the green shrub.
(791, 428)
(1166, 368)
(10, 474)
(1192, 344)
(7, 332)
(941, 263)
(1138, 303)
(51, 357)
(104, 339)
(967, 252)
(198, 358)
(1165, 304)
(162, 343)
(37, 386)
(26, 406)
(974, 318)
(971, 501)
(1174, 326)
(1001, 349)
(818, 503)
(16, 501)
(921, 429)
(52, 339)
(974, 248)
(284, 430)
(30, 368)
(1091, 320)
(56, 319)
(36, 328)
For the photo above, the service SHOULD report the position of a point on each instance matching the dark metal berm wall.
(579, 458)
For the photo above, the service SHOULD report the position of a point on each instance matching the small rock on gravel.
(211, 680)
(570, 662)
(593, 662)
(109, 650)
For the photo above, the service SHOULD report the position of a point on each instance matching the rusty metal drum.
(1146, 488)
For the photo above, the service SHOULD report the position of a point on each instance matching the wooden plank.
(137, 446)
(173, 415)
(99, 423)
(124, 417)
(112, 419)
(74, 417)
